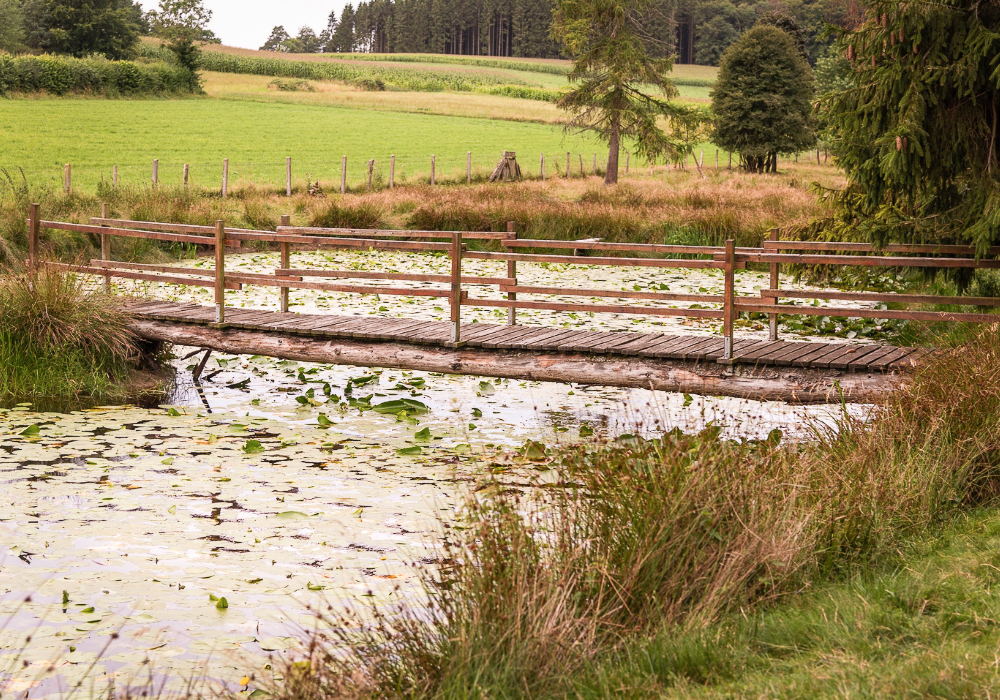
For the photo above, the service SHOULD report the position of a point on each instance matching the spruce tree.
(761, 99)
(917, 129)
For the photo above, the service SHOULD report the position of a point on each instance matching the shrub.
(60, 75)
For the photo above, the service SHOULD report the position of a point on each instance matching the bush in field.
(762, 99)
(60, 75)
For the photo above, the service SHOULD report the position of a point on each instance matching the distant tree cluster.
(74, 27)
(692, 31)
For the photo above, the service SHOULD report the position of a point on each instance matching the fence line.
(453, 243)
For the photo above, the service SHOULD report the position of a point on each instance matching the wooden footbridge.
(723, 364)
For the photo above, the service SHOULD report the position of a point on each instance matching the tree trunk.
(614, 146)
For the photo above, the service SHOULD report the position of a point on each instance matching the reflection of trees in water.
(560, 420)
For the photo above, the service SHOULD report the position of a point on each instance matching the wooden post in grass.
(433, 167)
(468, 168)
(392, 171)
(288, 176)
(511, 276)
(772, 319)
(114, 177)
(343, 175)
(456, 287)
(187, 172)
(225, 177)
(567, 166)
(156, 172)
(105, 246)
(728, 315)
(371, 170)
(220, 272)
(542, 167)
(34, 228)
(68, 179)
(580, 156)
(286, 262)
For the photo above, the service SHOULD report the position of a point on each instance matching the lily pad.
(396, 406)
(252, 447)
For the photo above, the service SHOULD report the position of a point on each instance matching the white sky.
(248, 23)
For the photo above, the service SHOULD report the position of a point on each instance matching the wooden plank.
(860, 353)
(112, 265)
(865, 260)
(496, 340)
(617, 340)
(824, 350)
(360, 274)
(514, 342)
(740, 350)
(847, 353)
(582, 341)
(548, 342)
(759, 351)
(879, 297)
(842, 312)
(865, 363)
(474, 339)
(868, 248)
(167, 227)
(621, 262)
(639, 344)
(670, 345)
(386, 233)
(703, 349)
(614, 294)
(787, 357)
(130, 233)
(364, 243)
(653, 248)
(882, 364)
(595, 308)
(268, 281)
(145, 276)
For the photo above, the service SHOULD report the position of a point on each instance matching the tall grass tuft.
(60, 340)
(637, 539)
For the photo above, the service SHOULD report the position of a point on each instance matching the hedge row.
(60, 75)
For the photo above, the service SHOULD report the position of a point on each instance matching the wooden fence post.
(468, 168)
(456, 287)
(580, 156)
(511, 275)
(105, 247)
(114, 177)
(371, 170)
(225, 177)
(542, 167)
(567, 166)
(775, 284)
(286, 262)
(220, 272)
(187, 171)
(343, 175)
(433, 167)
(392, 171)
(33, 231)
(288, 176)
(156, 172)
(68, 179)
(729, 300)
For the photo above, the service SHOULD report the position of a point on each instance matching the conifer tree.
(761, 99)
(917, 129)
(612, 75)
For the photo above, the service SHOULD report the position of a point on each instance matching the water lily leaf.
(30, 431)
(173, 412)
(409, 451)
(586, 430)
(424, 434)
(172, 510)
(315, 587)
(239, 385)
(168, 461)
(87, 610)
(486, 389)
(462, 448)
(533, 450)
(252, 447)
(688, 400)
(410, 406)
(476, 413)
(291, 515)
(323, 421)
(222, 604)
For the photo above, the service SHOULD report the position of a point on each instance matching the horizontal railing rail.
(728, 259)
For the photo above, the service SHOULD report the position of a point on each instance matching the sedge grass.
(637, 546)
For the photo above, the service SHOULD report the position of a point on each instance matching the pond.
(274, 486)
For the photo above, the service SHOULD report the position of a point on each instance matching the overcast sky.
(248, 23)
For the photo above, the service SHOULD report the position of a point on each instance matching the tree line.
(693, 31)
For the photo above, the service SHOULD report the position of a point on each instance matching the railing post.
(456, 287)
(105, 247)
(542, 167)
(433, 168)
(225, 177)
(220, 272)
(468, 168)
(68, 179)
(33, 231)
(343, 175)
(729, 301)
(772, 319)
(285, 263)
(511, 275)
(156, 172)
(288, 176)
(392, 171)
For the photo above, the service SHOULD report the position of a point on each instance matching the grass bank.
(692, 565)
(62, 343)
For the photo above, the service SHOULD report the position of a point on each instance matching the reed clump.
(636, 540)
(61, 340)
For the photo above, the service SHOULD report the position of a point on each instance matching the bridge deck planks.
(852, 357)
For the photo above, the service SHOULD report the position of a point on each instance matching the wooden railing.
(728, 259)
